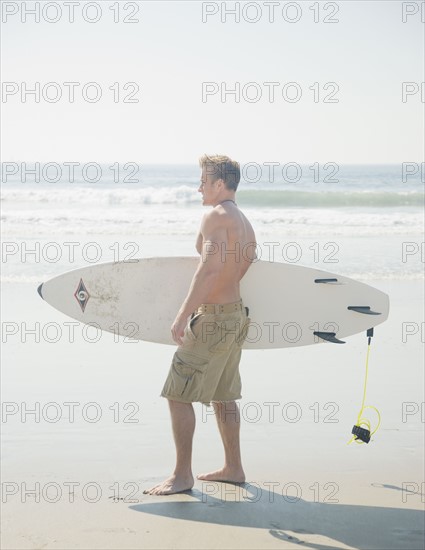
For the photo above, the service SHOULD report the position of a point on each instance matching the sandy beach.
(74, 469)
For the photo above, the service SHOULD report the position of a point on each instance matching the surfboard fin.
(328, 337)
(326, 281)
(363, 309)
(39, 290)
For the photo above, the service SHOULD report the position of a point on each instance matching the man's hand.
(177, 329)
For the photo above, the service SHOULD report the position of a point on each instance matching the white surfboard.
(289, 305)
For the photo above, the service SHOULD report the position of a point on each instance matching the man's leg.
(228, 420)
(183, 423)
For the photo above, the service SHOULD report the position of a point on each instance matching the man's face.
(208, 188)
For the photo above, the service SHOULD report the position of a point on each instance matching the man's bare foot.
(225, 474)
(173, 484)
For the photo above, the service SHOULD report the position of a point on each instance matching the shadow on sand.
(363, 527)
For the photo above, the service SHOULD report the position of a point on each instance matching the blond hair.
(222, 167)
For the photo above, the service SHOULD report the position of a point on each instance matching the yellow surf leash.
(362, 429)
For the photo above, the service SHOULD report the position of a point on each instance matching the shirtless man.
(210, 328)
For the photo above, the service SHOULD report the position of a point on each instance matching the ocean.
(369, 220)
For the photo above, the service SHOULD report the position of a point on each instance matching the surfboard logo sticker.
(82, 295)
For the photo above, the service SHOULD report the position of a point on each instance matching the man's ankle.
(183, 474)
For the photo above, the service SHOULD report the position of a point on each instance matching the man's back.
(228, 235)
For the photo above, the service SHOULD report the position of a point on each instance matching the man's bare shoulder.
(215, 217)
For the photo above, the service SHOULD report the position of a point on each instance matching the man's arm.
(199, 241)
(214, 238)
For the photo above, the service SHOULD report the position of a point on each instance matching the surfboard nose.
(39, 290)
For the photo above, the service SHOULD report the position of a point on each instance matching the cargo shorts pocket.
(190, 330)
(187, 375)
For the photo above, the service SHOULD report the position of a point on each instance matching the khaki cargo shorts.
(205, 367)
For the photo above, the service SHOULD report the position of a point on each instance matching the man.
(210, 328)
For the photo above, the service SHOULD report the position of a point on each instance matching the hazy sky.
(170, 52)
